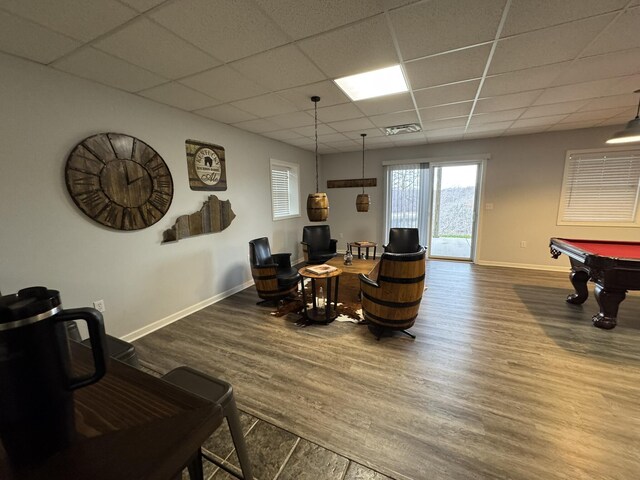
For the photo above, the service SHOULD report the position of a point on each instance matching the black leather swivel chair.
(317, 244)
(403, 240)
(273, 274)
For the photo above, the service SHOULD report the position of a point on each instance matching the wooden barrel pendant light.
(362, 200)
(317, 203)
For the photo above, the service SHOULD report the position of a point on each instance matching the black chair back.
(260, 252)
(317, 235)
(403, 240)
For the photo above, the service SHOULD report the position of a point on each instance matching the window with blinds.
(284, 190)
(601, 188)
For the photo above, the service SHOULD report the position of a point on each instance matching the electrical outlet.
(488, 206)
(342, 235)
(523, 244)
(99, 305)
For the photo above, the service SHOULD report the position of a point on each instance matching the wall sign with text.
(207, 166)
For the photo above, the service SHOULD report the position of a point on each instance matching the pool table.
(613, 266)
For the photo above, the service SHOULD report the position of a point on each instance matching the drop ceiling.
(476, 68)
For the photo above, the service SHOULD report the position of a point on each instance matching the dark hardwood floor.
(504, 379)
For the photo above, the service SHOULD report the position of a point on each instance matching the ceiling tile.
(626, 84)
(283, 135)
(328, 92)
(525, 130)
(494, 127)
(391, 119)
(596, 114)
(451, 67)
(226, 30)
(302, 142)
(369, 47)
(265, 105)
(525, 15)
(384, 141)
(179, 96)
(577, 91)
(309, 131)
(303, 18)
(225, 114)
(351, 125)
(442, 124)
(259, 125)
(291, 120)
(620, 35)
(506, 102)
(554, 109)
(371, 133)
(494, 117)
(551, 45)
(280, 68)
(601, 66)
(522, 81)
(143, 5)
(537, 122)
(445, 134)
(455, 92)
(103, 68)
(224, 84)
(33, 42)
(406, 139)
(387, 104)
(445, 111)
(346, 146)
(345, 111)
(613, 101)
(441, 25)
(79, 19)
(570, 126)
(150, 46)
(333, 137)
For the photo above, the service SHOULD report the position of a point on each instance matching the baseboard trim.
(152, 327)
(527, 266)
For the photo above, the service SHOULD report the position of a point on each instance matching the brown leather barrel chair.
(273, 274)
(392, 301)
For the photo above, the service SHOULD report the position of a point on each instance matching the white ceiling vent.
(398, 129)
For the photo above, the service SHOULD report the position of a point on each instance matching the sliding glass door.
(440, 200)
(407, 198)
(454, 211)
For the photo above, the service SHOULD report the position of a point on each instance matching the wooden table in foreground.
(130, 425)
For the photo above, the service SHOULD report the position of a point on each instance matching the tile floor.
(276, 454)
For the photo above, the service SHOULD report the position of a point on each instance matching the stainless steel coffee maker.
(36, 380)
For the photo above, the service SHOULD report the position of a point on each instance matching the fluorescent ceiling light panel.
(376, 83)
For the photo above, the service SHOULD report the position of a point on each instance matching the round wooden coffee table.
(317, 314)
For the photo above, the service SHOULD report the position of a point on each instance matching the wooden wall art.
(206, 165)
(119, 181)
(214, 216)
(353, 182)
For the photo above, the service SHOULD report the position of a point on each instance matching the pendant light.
(362, 200)
(631, 133)
(317, 203)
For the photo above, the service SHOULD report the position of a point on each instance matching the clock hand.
(136, 179)
(126, 174)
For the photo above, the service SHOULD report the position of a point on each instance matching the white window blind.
(284, 190)
(600, 187)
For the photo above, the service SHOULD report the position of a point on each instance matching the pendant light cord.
(363, 135)
(315, 102)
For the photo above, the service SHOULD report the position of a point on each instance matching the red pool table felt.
(608, 249)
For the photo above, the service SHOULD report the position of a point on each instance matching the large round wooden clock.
(119, 181)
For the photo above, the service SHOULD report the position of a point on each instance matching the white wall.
(46, 240)
(522, 179)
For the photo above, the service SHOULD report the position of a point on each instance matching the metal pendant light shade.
(631, 133)
(317, 203)
(362, 200)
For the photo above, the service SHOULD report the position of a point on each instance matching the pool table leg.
(609, 301)
(579, 280)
